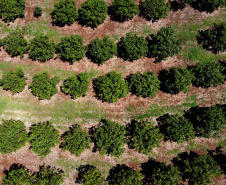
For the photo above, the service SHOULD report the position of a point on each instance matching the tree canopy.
(37, 11)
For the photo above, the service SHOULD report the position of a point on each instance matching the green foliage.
(13, 136)
(144, 136)
(146, 85)
(132, 47)
(14, 81)
(42, 137)
(124, 9)
(76, 85)
(175, 80)
(41, 48)
(110, 87)
(75, 140)
(65, 12)
(15, 43)
(43, 86)
(208, 74)
(176, 128)
(93, 12)
(37, 11)
(102, 50)
(71, 48)
(164, 44)
(214, 39)
(154, 9)
(11, 9)
(123, 175)
(110, 138)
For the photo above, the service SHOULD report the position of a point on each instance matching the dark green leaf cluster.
(154, 9)
(43, 86)
(42, 137)
(208, 74)
(65, 12)
(71, 48)
(75, 140)
(41, 48)
(102, 50)
(123, 10)
(214, 39)
(111, 86)
(164, 44)
(132, 47)
(176, 128)
(11, 9)
(121, 175)
(76, 85)
(144, 136)
(14, 81)
(110, 138)
(146, 84)
(13, 136)
(176, 79)
(37, 11)
(15, 43)
(93, 12)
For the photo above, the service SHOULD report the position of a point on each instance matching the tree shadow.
(162, 125)
(14, 166)
(82, 170)
(203, 6)
(144, 15)
(177, 5)
(163, 77)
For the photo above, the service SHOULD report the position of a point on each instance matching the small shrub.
(41, 48)
(43, 86)
(164, 44)
(176, 128)
(15, 43)
(132, 47)
(71, 48)
(75, 140)
(13, 136)
(42, 137)
(14, 81)
(102, 50)
(154, 9)
(110, 138)
(37, 11)
(11, 9)
(93, 12)
(123, 10)
(146, 85)
(76, 85)
(110, 87)
(65, 12)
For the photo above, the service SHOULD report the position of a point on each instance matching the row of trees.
(109, 137)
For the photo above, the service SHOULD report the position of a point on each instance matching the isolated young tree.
(42, 137)
(164, 44)
(11, 9)
(13, 136)
(123, 10)
(75, 140)
(15, 43)
(76, 85)
(93, 12)
(41, 48)
(146, 84)
(214, 39)
(101, 50)
(154, 9)
(43, 86)
(132, 47)
(37, 11)
(65, 12)
(111, 86)
(121, 175)
(176, 79)
(144, 136)
(14, 81)
(110, 138)
(208, 74)
(71, 48)
(176, 128)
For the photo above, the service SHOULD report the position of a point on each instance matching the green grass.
(222, 143)
(174, 152)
